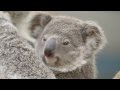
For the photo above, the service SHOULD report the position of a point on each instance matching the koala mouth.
(54, 64)
(51, 61)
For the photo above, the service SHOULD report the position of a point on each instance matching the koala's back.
(17, 59)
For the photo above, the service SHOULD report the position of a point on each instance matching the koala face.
(66, 43)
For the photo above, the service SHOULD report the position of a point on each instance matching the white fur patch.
(66, 68)
(51, 61)
(5, 15)
(15, 76)
(83, 62)
(2, 72)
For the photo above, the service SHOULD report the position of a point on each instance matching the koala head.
(67, 43)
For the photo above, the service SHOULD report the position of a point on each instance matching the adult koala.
(18, 59)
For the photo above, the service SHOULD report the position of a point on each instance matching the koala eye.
(66, 42)
(44, 39)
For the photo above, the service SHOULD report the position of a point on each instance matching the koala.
(18, 59)
(117, 76)
(27, 23)
(68, 46)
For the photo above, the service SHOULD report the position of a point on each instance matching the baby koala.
(68, 46)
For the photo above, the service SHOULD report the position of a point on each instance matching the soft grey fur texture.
(28, 23)
(17, 58)
(74, 44)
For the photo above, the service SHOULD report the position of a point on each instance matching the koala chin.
(69, 45)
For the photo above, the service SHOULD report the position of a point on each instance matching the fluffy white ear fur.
(25, 27)
(5, 15)
(101, 36)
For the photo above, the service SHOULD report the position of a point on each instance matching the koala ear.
(38, 21)
(93, 35)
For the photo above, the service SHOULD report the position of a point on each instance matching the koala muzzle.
(50, 47)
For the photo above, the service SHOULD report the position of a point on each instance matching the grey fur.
(17, 16)
(18, 59)
(77, 59)
(30, 24)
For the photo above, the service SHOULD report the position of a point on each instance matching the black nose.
(48, 53)
(50, 48)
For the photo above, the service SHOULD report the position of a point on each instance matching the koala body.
(68, 46)
(18, 59)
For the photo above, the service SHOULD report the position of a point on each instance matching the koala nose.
(50, 48)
